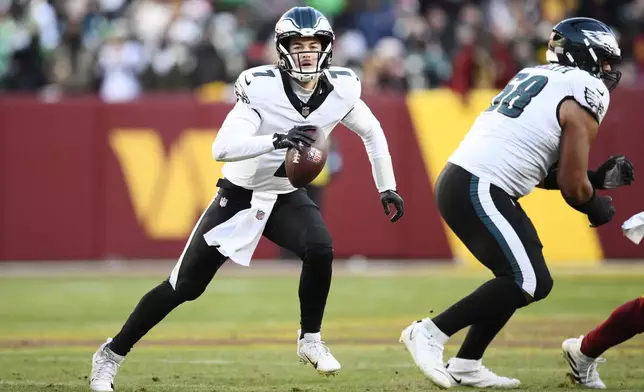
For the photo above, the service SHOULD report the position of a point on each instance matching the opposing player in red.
(583, 353)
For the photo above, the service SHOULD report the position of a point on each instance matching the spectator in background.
(7, 36)
(375, 21)
(24, 48)
(120, 62)
(397, 45)
(170, 42)
(210, 66)
(111, 9)
(385, 70)
(43, 15)
(524, 54)
(350, 50)
(438, 67)
(83, 29)
(464, 62)
(503, 65)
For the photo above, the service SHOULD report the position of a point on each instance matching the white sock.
(464, 365)
(312, 337)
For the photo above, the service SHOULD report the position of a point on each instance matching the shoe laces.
(317, 346)
(591, 373)
(106, 368)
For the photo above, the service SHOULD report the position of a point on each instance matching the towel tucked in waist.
(238, 237)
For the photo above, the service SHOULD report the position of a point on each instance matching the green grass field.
(240, 335)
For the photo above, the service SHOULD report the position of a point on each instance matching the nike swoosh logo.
(457, 380)
(247, 81)
(315, 364)
(600, 92)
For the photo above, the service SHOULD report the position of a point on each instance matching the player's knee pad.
(319, 256)
(188, 290)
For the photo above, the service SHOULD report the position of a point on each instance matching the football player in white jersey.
(275, 104)
(536, 132)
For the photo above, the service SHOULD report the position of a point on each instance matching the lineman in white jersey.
(536, 132)
(275, 103)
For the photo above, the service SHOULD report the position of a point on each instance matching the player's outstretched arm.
(579, 129)
(362, 121)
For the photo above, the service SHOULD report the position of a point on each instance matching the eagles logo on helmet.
(303, 22)
(587, 44)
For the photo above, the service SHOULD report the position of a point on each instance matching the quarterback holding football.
(277, 108)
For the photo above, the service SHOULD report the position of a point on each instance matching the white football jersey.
(267, 104)
(270, 99)
(514, 142)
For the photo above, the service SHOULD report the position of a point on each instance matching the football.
(304, 167)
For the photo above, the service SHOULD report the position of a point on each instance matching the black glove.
(391, 197)
(604, 214)
(297, 137)
(613, 173)
(599, 209)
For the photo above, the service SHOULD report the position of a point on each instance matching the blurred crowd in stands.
(123, 48)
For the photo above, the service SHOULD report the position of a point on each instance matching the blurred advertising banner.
(86, 180)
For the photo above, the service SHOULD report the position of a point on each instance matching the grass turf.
(240, 335)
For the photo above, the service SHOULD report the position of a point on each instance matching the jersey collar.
(321, 92)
